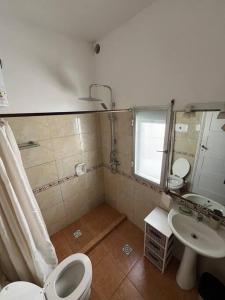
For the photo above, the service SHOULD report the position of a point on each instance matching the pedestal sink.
(198, 238)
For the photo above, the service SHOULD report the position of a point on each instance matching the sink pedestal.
(186, 275)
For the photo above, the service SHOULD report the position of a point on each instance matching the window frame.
(166, 146)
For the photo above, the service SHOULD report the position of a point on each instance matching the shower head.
(90, 98)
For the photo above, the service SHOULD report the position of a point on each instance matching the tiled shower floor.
(115, 275)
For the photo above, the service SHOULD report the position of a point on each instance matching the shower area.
(51, 147)
(79, 167)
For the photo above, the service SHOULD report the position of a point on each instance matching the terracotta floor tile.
(61, 245)
(94, 295)
(151, 283)
(127, 291)
(77, 244)
(114, 242)
(97, 253)
(100, 217)
(133, 235)
(107, 276)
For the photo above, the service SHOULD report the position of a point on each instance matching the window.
(151, 127)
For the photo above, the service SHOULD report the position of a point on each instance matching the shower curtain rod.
(60, 113)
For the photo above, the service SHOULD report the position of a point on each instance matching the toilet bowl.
(180, 169)
(70, 280)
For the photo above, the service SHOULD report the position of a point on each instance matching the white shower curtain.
(26, 252)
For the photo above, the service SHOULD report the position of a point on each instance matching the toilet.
(180, 169)
(70, 280)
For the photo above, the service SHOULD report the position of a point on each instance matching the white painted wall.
(172, 49)
(44, 71)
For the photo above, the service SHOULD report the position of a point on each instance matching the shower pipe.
(113, 161)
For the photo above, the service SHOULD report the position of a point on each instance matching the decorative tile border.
(185, 153)
(62, 180)
(133, 178)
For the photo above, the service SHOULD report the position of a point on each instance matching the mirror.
(197, 164)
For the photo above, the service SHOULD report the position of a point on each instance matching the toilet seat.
(180, 169)
(22, 290)
(70, 280)
(58, 281)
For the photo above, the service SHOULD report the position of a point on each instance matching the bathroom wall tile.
(124, 145)
(66, 146)
(29, 128)
(54, 216)
(87, 123)
(38, 155)
(61, 126)
(55, 227)
(47, 199)
(125, 163)
(72, 187)
(106, 139)
(110, 184)
(75, 207)
(104, 123)
(42, 174)
(123, 124)
(66, 166)
(145, 200)
(93, 180)
(89, 141)
(125, 197)
(105, 155)
(92, 158)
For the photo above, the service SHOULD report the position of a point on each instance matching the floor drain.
(77, 233)
(127, 249)
(194, 236)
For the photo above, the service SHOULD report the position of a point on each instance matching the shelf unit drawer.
(156, 235)
(151, 244)
(154, 258)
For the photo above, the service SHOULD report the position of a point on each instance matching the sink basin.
(198, 238)
(204, 201)
(196, 235)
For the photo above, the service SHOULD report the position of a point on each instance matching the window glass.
(150, 136)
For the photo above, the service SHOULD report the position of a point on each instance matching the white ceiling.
(86, 19)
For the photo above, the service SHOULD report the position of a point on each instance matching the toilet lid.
(22, 290)
(181, 167)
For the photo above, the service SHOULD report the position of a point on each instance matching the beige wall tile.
(123, 124)
(66, 166)
(90, 141)
(54, 214)
(76, 206)
(66, 146)
(92, 158)
(30, 128)
(72, 187)
(64, 125)
(125, 163)
(124, 144)
(87, 123)
(38, 155)
(42, 174)
(47, 199)
(104, 122)
(145, 200)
